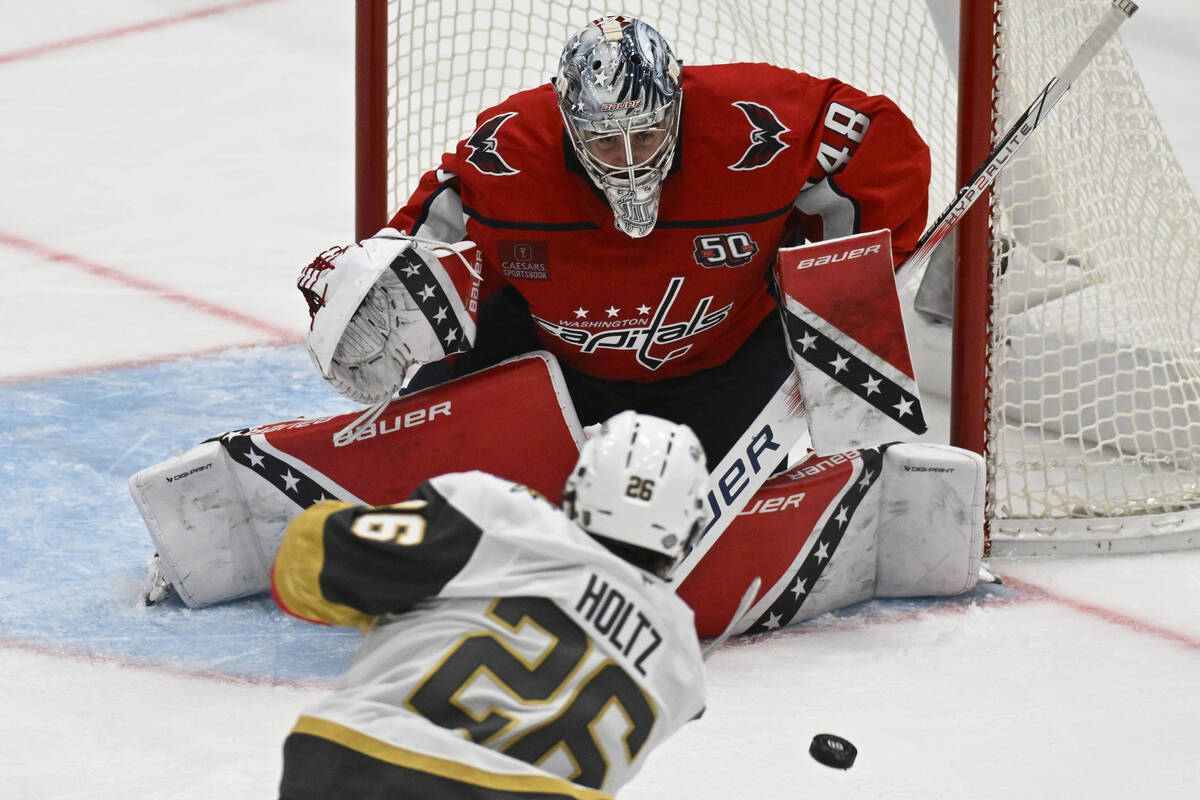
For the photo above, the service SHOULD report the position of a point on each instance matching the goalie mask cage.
(1077, 337)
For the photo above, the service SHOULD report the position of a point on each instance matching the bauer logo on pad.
(846, 336)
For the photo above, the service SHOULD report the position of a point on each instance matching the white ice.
(160, 188)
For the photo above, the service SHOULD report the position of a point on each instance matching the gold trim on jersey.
(441, 767)
(531, 665)
(296, 574)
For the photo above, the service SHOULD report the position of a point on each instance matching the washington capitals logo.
(483, 147)
(765, 143)
(650, 331)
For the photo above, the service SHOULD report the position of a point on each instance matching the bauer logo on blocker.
(833, 258)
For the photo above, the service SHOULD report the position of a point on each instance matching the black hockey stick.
(1016, 136)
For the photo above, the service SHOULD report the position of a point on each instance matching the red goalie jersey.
(765, 155)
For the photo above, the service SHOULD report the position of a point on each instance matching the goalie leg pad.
(211, 546)
(809, 534)
(904, 521)
(218, 512)
(930, 536)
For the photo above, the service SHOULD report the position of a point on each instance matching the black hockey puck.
(833, 751)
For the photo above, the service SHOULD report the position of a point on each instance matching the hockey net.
(1094, 350)
(1092, 430)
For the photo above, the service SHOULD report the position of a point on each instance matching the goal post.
(971, 242)
(1076, 323)
(371, 116)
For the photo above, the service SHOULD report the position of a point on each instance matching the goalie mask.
(619, 94)
(641, 481)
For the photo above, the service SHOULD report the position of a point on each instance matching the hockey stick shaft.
(1017, 135)
(779, 428)
(743, 607)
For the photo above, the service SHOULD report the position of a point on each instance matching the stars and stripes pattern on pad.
(822, 545)
(293, 483)
(424, 287)
(854, 367)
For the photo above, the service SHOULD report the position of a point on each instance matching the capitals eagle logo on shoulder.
(765, 141)
(484, 156)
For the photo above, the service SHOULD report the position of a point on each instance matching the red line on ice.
(162, 669)
(1106, 614)
(277, 334)
(1029, 593)
(116, 33)
(47, 375)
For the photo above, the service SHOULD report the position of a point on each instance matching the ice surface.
(162, 187)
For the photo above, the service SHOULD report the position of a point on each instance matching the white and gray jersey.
(503, 643)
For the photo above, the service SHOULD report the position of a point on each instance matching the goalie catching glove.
(386, 304)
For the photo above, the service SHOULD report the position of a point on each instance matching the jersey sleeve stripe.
(385, 560)
(296, 573)
(441, 215)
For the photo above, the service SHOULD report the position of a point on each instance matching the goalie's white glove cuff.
(382, 305)
(335, 285)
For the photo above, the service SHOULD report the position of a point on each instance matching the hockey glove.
(384, 305)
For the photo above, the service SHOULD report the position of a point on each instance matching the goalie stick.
(781, 425)
(778, 429)
(1016, 136)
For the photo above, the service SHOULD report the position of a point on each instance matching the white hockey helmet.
(641, 481)
(619, 94)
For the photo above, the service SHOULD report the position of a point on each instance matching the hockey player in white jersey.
(513, 649)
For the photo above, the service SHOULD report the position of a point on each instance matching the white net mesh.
(451, 60)
(1095, 406)
(1095, 395)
